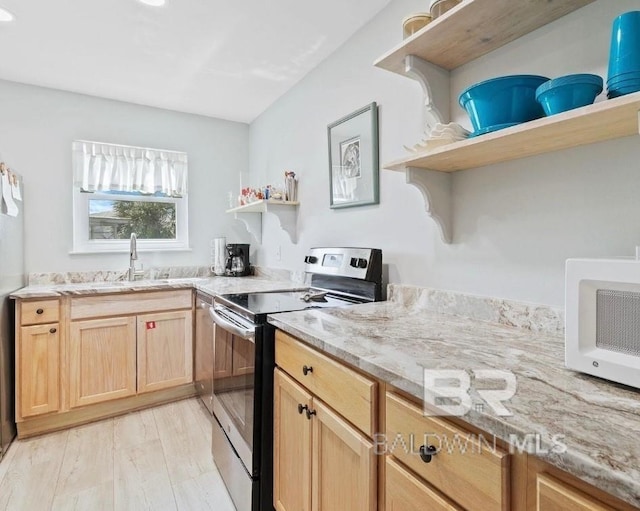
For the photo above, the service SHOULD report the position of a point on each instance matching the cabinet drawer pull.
(53, 330)
(310, 413)
(40, 311)
(302, 408)
(427, 452)
(306, 370)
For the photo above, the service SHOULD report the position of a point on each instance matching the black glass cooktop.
(283, 301)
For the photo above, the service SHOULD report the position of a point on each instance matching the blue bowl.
(503, 100)
(568, 92)
(624, 53)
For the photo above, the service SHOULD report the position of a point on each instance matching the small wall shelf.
(474, 28)
(606, 120)
(431, 172)
(251, 215)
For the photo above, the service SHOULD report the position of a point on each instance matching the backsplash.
(175, 272)
(169, 272)
(299, 277)
(534, 317)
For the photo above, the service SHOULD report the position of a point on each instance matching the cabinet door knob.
(40, 311)
(427, 452)
(306, 370)
(310, 413)
(302, 408)
(53, 330)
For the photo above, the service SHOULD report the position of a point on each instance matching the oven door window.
(233, 384)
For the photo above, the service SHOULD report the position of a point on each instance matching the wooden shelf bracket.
(436, 190)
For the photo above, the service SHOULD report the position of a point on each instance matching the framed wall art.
(353, 159)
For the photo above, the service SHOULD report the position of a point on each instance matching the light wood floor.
(156, 459)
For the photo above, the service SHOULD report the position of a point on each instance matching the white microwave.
(602, 329)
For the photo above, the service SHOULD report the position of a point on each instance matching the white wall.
(514, 223)
(37, 126)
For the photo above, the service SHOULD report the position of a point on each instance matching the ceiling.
(228, 59)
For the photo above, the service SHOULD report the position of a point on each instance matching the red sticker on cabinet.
(151, 325)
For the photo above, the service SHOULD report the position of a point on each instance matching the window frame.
(83, 245)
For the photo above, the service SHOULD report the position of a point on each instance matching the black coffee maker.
(237, 260)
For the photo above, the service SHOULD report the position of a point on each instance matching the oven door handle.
(246, 333)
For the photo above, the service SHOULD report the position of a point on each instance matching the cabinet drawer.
(349, 393)
(554, 495)
(467, 467)
(39, 312)
(126, 304)
(405, 492)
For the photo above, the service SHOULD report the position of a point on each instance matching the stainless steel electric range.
(244, 361)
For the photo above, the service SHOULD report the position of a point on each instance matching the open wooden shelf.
(251, 215)
(261, 206)
(606, 120)
(474, 28)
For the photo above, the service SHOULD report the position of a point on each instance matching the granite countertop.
(214, 286)
(597, 421)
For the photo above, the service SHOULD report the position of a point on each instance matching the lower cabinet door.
(165, 350)
(102, 358)
(38, 366)
(405, 492)
(292, 446)
(343, 466)
(554, 495)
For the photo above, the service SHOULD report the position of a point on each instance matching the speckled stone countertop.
(395, 341)
(213, 285)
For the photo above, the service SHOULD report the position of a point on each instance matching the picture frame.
(354, 159)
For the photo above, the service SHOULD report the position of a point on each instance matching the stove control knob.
(358, 263)
(310, 259)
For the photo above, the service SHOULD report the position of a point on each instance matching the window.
(119, 190)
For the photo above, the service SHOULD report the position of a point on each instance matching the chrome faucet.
(133, 257)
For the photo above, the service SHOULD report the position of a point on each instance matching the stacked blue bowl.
(502, 102)
(568, 92)
(624, 55)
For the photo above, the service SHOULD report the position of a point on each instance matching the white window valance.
(100, 167)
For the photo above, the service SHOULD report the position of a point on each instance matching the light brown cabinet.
(554, 495)
(343, 473)
(323, 459)
(405, 492)
(102, 360)
(292, 445)
(119, 357)
(38, 374)
(462, 459)
(321, 462)
(104, 355)
(165, 350)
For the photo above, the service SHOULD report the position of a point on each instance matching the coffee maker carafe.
(238, 260)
